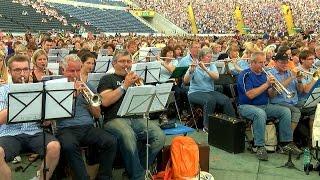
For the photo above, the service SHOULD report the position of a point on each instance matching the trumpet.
(94, 100)
(315, 75)
(139, 82)
(278, 86)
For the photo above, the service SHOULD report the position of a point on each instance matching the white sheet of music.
(313, 99)
(103, 64)
(153, 71)
(94, 78)
(136, 100)
(162, 95)
(62, 96)
(316, 127)
(54, 68)
(148, 51)
(28, 93)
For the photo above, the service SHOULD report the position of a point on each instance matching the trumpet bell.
(96, 100)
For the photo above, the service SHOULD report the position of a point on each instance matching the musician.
(79, 130)
(168, 65)
(21, 137)
(192, 57)
(201, 90)
(253, 91)
(307, 60)
(110, 48)
(292, 83)
(88, 61)
(132, 47)
(128, 130)
(40, 63)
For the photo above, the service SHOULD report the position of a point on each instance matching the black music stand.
(313, 99)
(57, 55)
(103, 64)
(39, 102)
(141, 100)
(179, 72)
(94, 78)
(148, 71)
(148, 52)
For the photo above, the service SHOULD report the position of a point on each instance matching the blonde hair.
(38, 53)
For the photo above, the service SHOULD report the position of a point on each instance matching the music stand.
(142, 100)
(148, 71)
(39, 102)
(221, 66)
(148, 52)
(94, 78)
(313, 99)
(179, 72)
(57, 55)
(53, 67)
(103, 64)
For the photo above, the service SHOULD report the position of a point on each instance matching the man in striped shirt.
(21, 137)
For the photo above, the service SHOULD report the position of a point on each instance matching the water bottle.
(306, 160)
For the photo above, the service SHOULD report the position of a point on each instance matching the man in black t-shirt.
(128, 130)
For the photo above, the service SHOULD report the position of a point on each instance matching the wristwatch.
(123, 89)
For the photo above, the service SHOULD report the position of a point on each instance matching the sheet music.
(56, 55)
(221, 67)
(313, 99)
(148, 51)
(53, 67)
(316, 127)
(162, 95)
(136, 100)
(63, 97)
(30, 99)
(152, 68)
(94, 78)
(103, 64)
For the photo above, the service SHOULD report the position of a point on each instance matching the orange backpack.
(184, 160)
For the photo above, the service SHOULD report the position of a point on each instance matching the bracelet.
(123, 90)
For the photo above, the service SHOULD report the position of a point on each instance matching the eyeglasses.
(124, 61)
(18, 70)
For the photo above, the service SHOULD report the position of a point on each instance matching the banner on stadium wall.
(144, 13)
(192, 20)
(239, 20)
(287, 15)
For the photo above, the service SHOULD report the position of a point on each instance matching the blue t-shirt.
(185, 61)
(200, 81)
(292, 87)
(82, 115)
(248, 80)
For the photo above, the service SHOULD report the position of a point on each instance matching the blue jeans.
(208, 101)
(129, 132)
(259, 116)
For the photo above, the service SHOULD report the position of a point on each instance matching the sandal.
(33, 157)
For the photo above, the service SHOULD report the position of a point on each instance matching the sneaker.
(16, 160)
(262, 154)
(290, 147)
(205, 130)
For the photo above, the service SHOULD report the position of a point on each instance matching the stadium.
(211, 89)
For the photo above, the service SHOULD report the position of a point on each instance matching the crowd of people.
(215, 16)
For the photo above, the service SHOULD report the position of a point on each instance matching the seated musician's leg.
(295, 115)
(70, 149)
(106, 150)
(283, 114)
(156, 139)
(258, 117)
(225, 102)
(52, 152)
(9, 148)
(122, 129)
(207, 101)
